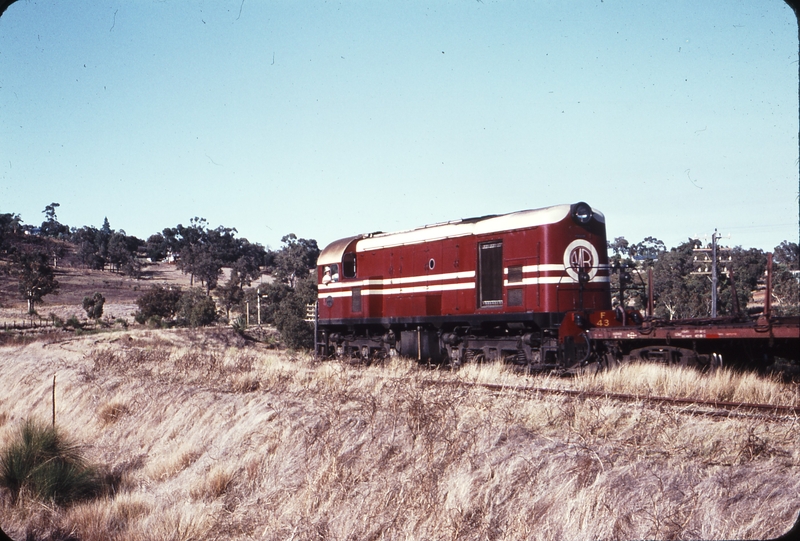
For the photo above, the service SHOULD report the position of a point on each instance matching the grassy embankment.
(203, 437)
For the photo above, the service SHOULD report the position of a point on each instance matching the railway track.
(689, 406)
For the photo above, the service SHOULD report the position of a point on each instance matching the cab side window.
(349, 265)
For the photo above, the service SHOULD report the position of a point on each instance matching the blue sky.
(327, 119)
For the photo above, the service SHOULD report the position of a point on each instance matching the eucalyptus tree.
(36, 277)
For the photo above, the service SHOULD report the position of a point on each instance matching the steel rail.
(733, 408)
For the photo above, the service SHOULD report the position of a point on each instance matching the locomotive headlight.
(582, 213)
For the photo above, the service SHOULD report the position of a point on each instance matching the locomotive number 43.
(602, 319)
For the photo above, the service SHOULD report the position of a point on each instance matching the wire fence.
(44, 324)
(27, 324)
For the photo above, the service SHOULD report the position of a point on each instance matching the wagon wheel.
(714, 362)
(688, 360)
(608, 361)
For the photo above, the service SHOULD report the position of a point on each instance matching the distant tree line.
(680, 293)
(33, 253)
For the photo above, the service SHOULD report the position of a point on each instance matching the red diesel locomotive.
(488, 288)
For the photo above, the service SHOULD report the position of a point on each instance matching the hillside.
(120, 292)
(205, 436)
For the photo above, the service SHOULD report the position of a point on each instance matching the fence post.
(54, 400)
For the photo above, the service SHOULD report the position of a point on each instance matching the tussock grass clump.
(111, 412)
(41, 461)
(107, 519)
(214, 485)
(170, 465)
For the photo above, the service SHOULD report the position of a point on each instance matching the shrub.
(94, 306)
(290, 315)
(42, 462)
(158, 301)
(74, 322)
(196, 309)
(239, 325)
(57, 321)
(111, 412)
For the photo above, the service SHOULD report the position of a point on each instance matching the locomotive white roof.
(447, 230)
(333, 251)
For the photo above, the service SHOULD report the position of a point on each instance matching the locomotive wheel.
(379, 355)
(353, 355)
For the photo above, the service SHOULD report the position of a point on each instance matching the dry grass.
(722, 385)
(172, 463)
(214, 485)
(208, 438)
